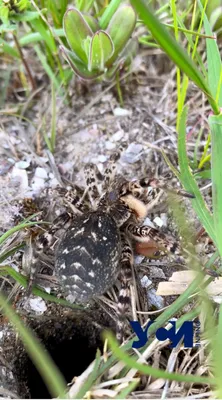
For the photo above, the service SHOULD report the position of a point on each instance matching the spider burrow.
(101, 225)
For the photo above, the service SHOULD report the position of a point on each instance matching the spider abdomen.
(88, 255)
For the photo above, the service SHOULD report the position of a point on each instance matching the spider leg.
(72, 198)
(110, 171)
(92, 177)
(162, 184)
(43, 242)
(146, 234)
(125, 278)
(143, 189)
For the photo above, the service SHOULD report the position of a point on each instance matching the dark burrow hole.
(72, 343)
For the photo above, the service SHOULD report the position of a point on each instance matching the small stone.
(148, 222)
(132, 153)
(138, 259)
(154, 299)
(156, 273)
(41, 173)
(118, 136)
(37, 304)
(44, 159)
(158, 221)
(109, 145)
(38, 184)
(22, 164)
(146, 282)
(71, 298)
(102, 158)
(121, 112)
(20, 176)
(54, 182)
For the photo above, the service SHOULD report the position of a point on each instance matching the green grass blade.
(215, 123)
(174, 50)
(43, 362)
(91, 379)
(206, 174)
(126, 391)
(47, 67)
(38, 26)
(150, 370)
(188, 34)
(108, 13)
(18, 228)
(217, 356)
(53, 119)
(9, 253)
(23, 281)
(189, 182)
(35, 37)
(6, 48)
(213, 61)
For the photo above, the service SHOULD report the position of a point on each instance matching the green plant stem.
(53, 120)
(215, 122)
(119, 91)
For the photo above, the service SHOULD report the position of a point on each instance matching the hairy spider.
(95, 235)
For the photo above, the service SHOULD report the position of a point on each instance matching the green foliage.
(13, 11)
(57, 9)
(96, 52)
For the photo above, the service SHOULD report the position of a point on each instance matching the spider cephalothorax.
(100, 226)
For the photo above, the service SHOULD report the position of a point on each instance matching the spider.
(94, 238)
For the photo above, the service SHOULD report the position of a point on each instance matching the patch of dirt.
(71, 338)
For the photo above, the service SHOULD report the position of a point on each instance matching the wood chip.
(180, 280)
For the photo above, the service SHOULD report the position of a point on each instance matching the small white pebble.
(44, 159)
(158, 222)
(117, 136)
(138, 259)
(22, 164)
(154, 299)
(145, 281)
(54, 182)
(11, 160)
(37, 184)
(38, 305)
(121, 112)
(134, 148)
(47, 289)
(164, 218)
(71, 298)
(148, 222)
(132, 153)
(41, 173)
(102, 158)
(109, 145)
(21, 176)
(217, 299)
